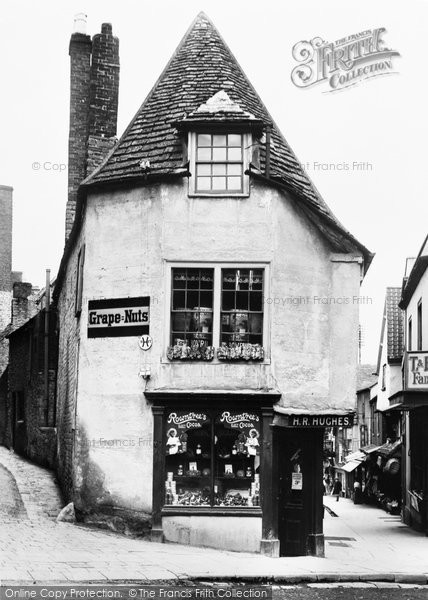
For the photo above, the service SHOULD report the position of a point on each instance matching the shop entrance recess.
(300, 491)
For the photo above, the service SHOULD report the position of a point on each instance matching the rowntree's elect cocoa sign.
(118, 317)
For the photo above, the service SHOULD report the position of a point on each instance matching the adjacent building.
(202, 349)
(413, 397)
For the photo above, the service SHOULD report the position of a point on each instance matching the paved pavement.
(362, 543)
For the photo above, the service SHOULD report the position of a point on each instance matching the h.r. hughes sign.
(118, 317)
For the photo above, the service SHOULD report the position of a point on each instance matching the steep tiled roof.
(201, 67)
(395, 324)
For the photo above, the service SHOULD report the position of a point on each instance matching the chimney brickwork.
(94, 95)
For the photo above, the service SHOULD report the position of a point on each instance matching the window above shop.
(217, 312)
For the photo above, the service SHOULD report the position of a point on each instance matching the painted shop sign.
(320, 420)
(239, 420)
(187, 420)
(118, 317)
(417, 370)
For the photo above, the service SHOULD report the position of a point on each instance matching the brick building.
(192, 228)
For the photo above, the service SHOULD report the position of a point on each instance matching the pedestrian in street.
(337, 489)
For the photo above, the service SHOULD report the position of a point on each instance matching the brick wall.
(68, 350)
(36, 436)
(94, 94)
(5, 268)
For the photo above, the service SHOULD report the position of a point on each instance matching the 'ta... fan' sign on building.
(202, 208)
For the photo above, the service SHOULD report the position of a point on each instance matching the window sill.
(218, 195)
(215, 361)
(222, 511)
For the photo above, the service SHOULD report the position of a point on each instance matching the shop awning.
(356, 456)
(370, 448)
(389, 449)
(350, 466)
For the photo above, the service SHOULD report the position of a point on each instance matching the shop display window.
(212, 458)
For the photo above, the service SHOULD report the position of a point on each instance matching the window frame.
(409, 334)
(246, 157)
(216, 327)
(213, 414)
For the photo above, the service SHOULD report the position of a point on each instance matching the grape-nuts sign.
(343, 63)
(119, 317)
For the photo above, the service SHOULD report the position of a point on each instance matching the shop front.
(230, 472)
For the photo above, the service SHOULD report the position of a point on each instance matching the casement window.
(419, 325)
(79, 281)
(218, 163)
(218, 305)
(212, 458)
(192, 305)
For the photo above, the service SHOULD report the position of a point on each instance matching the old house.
(412, 399)
(202, 349)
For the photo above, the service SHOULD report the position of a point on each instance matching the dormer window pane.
(204, 154)
(234, 140)
(234, 154)
(219, 154)
(234, 183)
(219, 169)
(204, 140)
(219, 183)
(219, 140)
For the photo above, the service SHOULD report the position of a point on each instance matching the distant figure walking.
(337, 489)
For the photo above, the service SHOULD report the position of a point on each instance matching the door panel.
(293, 497)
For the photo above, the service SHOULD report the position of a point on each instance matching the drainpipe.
(46, 346)
(267, 160)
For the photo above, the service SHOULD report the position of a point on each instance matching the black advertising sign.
(320, 420)
(118, 317)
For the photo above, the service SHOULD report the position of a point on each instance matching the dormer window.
(219, 163)
(219, 146)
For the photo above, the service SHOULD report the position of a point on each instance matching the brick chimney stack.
(94, 94)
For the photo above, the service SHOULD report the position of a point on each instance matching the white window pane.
(219, 140)
(219, 154)
(219, 183)
(204, 153)
(203, 183)
(219, 169)
(203, 170)
(234, 183)
(234, 154)
(204, 139)
(234, 140)
(234, 169)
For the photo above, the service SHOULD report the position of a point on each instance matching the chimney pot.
(80, 23)
(107, 28)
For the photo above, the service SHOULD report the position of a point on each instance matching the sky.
(380, 123)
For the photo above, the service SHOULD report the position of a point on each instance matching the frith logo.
(342, 63)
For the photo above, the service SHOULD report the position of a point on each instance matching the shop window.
(212, 459)
(242, 306)
(192, 306)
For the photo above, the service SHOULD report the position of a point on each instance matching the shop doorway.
(300, 491)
